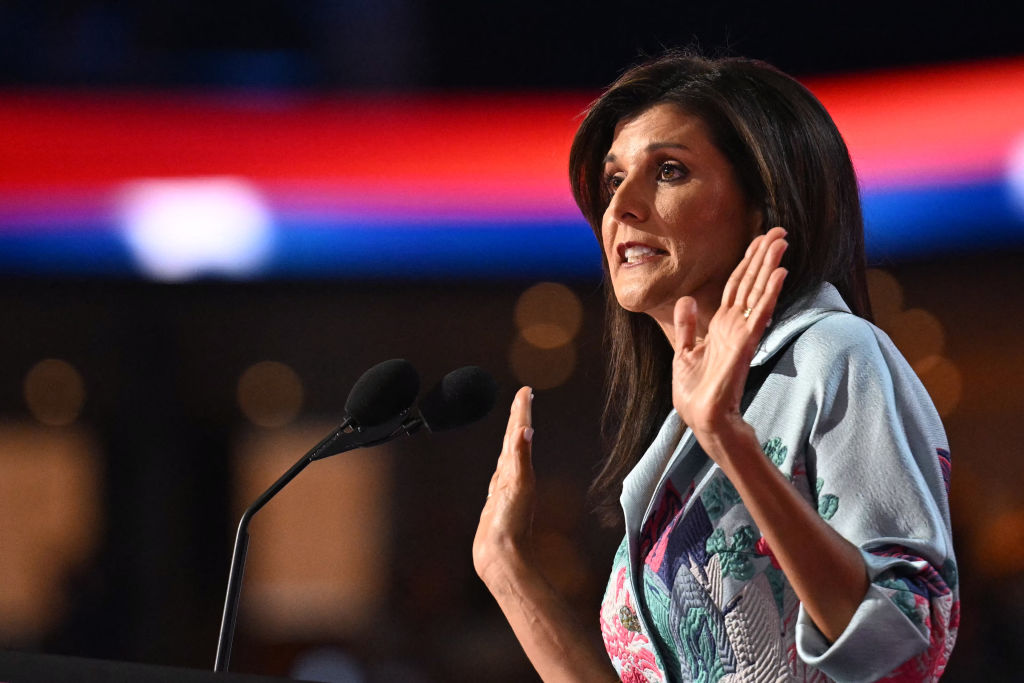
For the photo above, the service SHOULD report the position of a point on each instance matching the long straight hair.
(790, 162)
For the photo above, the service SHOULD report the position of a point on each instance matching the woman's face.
(678, 222)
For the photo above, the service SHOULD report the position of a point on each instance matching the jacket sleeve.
(878, 465)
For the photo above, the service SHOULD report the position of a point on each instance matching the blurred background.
(215, 215)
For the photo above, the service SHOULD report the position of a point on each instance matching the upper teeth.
(634, 254)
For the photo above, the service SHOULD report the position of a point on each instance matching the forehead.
(659, 124)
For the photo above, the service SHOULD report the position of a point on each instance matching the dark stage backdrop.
(139, 412)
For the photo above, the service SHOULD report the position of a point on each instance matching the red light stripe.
(938, 123)
(902, 127)
(107, 138)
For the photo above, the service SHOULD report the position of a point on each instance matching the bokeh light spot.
(54, 392)
(943, 381)
(541, 368)
(548, 315)
(182, 228)
(1000, 543)
(270, 394)
(918, 334)
(886, 296)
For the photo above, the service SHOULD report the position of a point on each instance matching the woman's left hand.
(708, 375)
(827, 572)
(503, 535)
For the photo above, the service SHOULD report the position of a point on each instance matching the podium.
(26, 667)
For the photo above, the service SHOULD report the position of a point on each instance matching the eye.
(612, 182)
(672, 170)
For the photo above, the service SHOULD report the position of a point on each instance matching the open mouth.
(637, 253)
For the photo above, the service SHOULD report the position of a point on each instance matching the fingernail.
(528, 434)
(531, 396)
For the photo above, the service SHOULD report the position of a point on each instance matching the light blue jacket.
(695, 593)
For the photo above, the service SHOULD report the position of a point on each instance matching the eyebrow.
(653, 147)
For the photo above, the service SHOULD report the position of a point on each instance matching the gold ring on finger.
(747, 312)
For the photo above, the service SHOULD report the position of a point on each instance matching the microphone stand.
(358, 437)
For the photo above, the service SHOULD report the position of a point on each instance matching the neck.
(665, 317)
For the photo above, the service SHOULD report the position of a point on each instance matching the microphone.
(462, 397)
(382, 392)
(377, 411)
(378, 402)
(376, 406)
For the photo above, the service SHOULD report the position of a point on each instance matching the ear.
(756, 222)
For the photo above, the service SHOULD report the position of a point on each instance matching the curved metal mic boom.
(376, 407)
(379, 411)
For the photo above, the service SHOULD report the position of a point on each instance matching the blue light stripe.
(901, 224)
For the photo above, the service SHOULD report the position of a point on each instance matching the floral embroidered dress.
(695, 593)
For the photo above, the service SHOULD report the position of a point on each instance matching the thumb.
(523, 445)
(685, 319)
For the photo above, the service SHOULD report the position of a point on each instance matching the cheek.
(715, 206)
(607, 241)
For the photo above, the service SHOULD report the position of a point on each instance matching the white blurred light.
(1015, 173)
(186, 227)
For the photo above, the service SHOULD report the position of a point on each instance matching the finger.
(515, 418)
(685, 318)
(514, 414)
(523, 433)
(749, 277)
(522, 453)
(765, 308)
(515, 464)
(772, 257)
(733, 284)
(522, 408)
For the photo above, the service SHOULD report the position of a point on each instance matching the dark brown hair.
(790, 162)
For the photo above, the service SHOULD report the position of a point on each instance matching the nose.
(628, 204)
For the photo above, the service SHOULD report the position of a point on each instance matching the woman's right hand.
(503, 536)
(559, 648)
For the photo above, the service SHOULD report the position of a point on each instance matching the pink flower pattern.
(630, 651)
(929, 599)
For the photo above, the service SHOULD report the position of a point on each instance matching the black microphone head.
(462, 396)
(383, 392)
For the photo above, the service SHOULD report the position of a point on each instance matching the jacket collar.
(674, 437)
(800, 315)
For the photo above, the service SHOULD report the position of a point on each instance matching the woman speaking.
(782, 474)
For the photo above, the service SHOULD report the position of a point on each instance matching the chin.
(630, 301)
(647, 297)
(635, 304)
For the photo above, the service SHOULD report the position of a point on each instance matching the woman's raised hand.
(558, 646)
(708, 374)
(505, 527)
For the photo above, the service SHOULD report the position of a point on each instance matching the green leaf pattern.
(718, 497)
(775, 450)
(735, 556)
(903, 598)
(700, 647)
(659, 605)
(828, 504)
